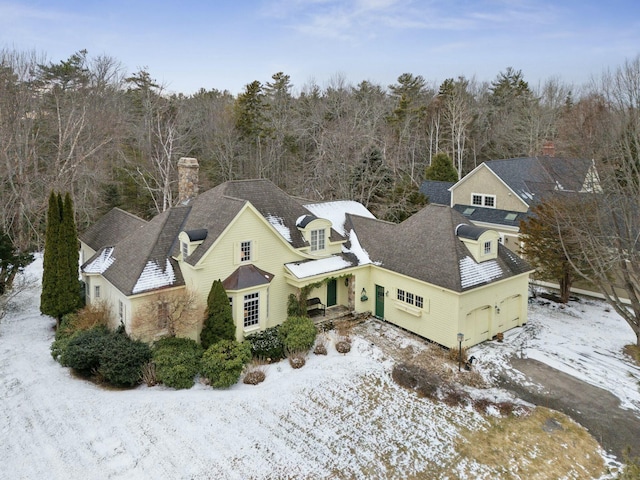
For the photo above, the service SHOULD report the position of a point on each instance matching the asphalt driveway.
(594, 408)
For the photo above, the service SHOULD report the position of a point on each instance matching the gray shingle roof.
(425, 247)
(110, 229)
(437, 191)
(532, 178)
(491, 215)
(148, 246)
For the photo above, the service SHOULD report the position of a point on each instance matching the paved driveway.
(594, 408)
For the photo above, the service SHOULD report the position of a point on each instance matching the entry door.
(332, 286)
(379, 301)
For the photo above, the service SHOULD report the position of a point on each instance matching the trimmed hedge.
(122, 359)
(267, 344)
(83, 349)
(222, 362)
(177, 361)
(298, 334)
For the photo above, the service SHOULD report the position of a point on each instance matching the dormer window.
(488, 248)
(184, 247)
(317, 239)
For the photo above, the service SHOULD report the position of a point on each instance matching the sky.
(226, 44)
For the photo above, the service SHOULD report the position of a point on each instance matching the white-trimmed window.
(488, 247)
(96, 291)
(251, 309)
(410, 298)
(245, 251)
(482, 200)
(401, 295)
(317, 239)
(185, 249)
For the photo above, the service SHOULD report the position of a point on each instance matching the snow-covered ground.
(339, 416)
(584, 339)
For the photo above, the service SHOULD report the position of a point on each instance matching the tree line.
(86, 126)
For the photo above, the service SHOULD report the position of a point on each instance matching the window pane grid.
(251, 310)
(245, 251)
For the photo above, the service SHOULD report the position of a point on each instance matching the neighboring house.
(499, 193)
(434, 274)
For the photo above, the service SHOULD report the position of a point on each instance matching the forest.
(111, 138)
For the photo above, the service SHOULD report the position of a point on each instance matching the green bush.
(177, 361)
(267, 344)
(122, 359)
(64, 332)
(83, 350)
(298, 334)
(222, 362)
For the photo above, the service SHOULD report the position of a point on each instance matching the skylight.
(511, 216)
(468, 211)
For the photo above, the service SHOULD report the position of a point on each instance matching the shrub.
(294, 308)
(84, 348)
(149, 374)
(343, 347)
(298, 334)
(267, 344)
(255, 374)
(321, 345)
(122, 359)
(177, 361)
(222, 362)
(85, 319)
(297, 360)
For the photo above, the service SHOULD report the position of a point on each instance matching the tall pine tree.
(48, 297)
(69, 298)
(218, 323)
(60, 284)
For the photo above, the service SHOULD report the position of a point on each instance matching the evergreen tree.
(218, 323)
(12, 262)
(48, 297)
(69, 292)
(441, 169)
(60, 285)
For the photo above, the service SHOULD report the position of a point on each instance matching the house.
(434, 274)
(498, 194)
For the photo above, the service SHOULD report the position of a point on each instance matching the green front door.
(332, 286)
(379, 301)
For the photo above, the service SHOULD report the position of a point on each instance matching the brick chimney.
(187, 179)
(548, 149)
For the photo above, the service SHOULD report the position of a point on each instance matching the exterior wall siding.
(485, 182)
(270, 254)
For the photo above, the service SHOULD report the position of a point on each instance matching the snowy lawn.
(340, 416)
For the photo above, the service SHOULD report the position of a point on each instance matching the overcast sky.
(227, 44)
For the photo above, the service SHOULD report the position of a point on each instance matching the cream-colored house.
(499, 193)
(434, 274)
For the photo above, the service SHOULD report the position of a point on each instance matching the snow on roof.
(316, 267)
(335, 212)
(357, 250)
(279, 225)
(153, 277)
(101, 262)
(472, 273)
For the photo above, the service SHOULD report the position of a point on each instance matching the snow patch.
(472, 273)
(316, 267)
(357, 250)
(153, 277)
(278, 224)
(336, 212)
(101, 263)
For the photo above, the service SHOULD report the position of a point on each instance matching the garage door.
(477, 325)
(511, 309)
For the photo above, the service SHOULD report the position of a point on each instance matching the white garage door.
(477, 325)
